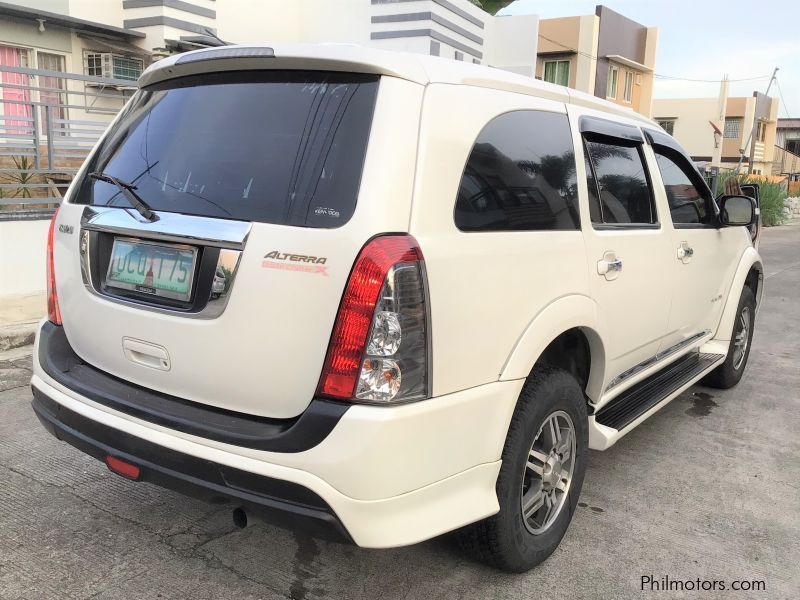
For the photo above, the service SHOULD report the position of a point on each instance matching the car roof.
(419, 68)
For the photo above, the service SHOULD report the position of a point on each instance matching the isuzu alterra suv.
(379, 296)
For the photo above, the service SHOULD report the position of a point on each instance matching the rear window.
(520, 176)
(274, 147)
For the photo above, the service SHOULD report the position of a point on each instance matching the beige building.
(700, 126)
(605, 54)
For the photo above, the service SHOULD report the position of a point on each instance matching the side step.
(634, 402)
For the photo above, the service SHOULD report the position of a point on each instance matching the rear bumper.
(279, 502)
(382, 477)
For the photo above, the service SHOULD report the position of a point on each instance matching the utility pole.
(755, 126)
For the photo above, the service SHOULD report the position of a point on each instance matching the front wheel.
(730, 372)
(544, 461)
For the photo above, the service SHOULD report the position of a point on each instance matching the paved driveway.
(707, 488)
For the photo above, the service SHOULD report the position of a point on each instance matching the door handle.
(685, 252)
(609, 266)
(146, 354)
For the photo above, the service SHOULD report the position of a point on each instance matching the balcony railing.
(785, 162)
(49, 122)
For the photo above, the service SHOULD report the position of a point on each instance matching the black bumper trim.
(59, 361)
(279, 502)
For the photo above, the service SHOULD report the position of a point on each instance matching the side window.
(686, 202)
(520, 176)
(622, 183)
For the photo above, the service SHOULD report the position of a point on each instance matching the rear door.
(630, 265)
(266, 186)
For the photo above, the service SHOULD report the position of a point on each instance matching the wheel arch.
(565, 334)
(749, 273)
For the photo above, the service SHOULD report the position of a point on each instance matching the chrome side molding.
(655, 359)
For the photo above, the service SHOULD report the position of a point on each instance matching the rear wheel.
(544, 461)
(730, 372)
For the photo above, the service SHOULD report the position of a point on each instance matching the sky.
(707, 39)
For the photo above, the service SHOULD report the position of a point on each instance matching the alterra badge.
(286, 261)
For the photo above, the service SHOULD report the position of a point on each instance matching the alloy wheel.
(548, 472)
(742, 338)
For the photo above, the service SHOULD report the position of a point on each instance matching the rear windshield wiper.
(127, 190)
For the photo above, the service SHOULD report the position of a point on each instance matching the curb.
(17, 335)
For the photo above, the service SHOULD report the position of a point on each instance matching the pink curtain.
(11, 98)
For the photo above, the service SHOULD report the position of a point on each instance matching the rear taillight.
(53, 312)
(379, 349)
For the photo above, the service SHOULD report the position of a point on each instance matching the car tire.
(507, 540)
(730, 372)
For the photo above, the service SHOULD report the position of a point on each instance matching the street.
(707, 488)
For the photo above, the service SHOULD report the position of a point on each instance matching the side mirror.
(736, 211)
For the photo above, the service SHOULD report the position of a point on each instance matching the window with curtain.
(557, 71)
(14, 101)
(50, 94)
(611, 87)
(627, 93)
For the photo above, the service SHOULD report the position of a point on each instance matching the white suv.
(381, 296)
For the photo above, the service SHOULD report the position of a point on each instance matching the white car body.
(400, 474)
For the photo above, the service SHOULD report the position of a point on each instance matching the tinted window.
(686, 203)
(520, 176)
(278, 147)
(595, 213)
(622, 183)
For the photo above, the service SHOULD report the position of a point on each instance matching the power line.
(780, 93)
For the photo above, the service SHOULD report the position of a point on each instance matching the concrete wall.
(692, 128)
(513, 43)
(23, 248)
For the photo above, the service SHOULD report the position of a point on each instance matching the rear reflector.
(120, 467)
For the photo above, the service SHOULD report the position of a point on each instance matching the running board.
(634, 402)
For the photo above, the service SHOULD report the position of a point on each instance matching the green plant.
(21, 177)
(772, 197)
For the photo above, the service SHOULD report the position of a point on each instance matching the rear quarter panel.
(485, 288)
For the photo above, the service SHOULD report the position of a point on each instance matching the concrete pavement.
(707, 488)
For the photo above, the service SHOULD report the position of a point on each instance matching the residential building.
(605, 54)
(788, 135)
(787, 149)
(747, 131)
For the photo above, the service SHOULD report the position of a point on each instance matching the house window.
(113, 66)
(627, 94)
(611, 88)
(557, 71)
(459, 55)
(668, 125)
(733, 129)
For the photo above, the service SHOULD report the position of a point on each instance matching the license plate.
(161, 270)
